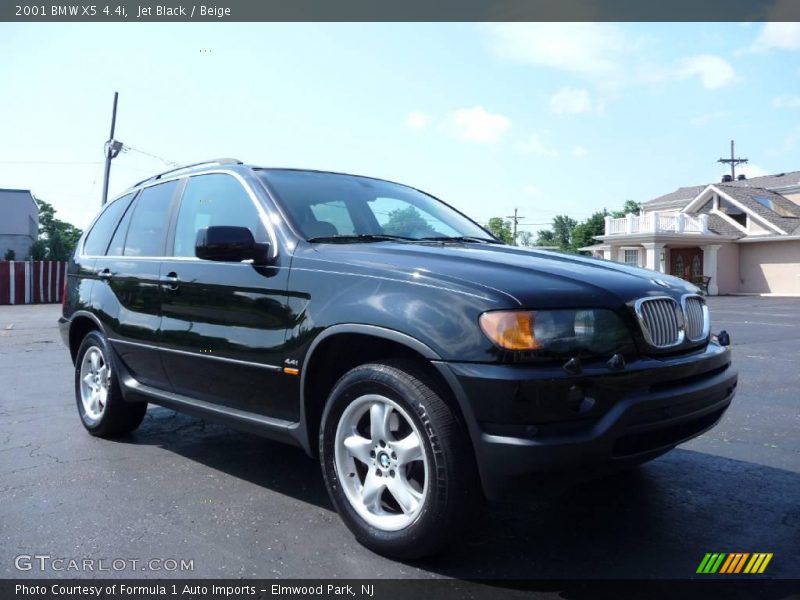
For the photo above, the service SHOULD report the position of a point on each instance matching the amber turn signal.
(511, 330)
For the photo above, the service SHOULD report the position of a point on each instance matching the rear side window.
(117, 245)
(214, 199)
(149, 221)
(97, 239)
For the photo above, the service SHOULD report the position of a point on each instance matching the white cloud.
(592, 49)
(714, 71)
(787, 101)
(579, 151)
(476, 125)
(709, 117)
(752, 171)
(569, 100)
(781, 36)
(417, 120)
(535, 145)
(604, 54)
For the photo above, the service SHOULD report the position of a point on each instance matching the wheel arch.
(364, 343)
(81, 323)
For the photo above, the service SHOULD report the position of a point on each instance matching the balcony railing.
(655, 223)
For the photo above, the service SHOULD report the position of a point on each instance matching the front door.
(224, 324)
(686, 263)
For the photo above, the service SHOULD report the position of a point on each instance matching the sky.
(545, 118)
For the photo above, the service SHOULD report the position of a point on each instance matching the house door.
(686, 263)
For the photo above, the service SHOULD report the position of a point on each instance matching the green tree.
(584, 232)
(629, 207)
(407, 222)
(38, 250)
(562, 231)
(545, 237)
(59, 237)
(501, 229)
(525, 238)
(10, 255)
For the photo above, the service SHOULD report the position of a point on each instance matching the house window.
(632, 257)
(732, 211)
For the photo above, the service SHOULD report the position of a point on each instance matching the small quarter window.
(97, 239)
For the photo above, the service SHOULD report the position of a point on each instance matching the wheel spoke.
(371, 490)
(379, 414)
(89, 380)
(408, 449)
(103, 373)
(95, 358)
(407, 497)
(93, 402)
(359, 448)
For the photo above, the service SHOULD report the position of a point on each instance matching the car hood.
(522, 277)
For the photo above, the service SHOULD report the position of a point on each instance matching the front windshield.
(330, 206)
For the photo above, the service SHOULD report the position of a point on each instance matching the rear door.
(224, 324)
(127, 299)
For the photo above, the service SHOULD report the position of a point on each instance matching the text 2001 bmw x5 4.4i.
(425, 363)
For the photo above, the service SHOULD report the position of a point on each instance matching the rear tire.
(103, 411)
(397, 463)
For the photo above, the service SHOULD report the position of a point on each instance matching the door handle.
(104, 273)
(171, 281)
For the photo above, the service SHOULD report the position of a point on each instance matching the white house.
(738, 236)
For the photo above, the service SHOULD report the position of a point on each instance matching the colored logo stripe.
(734, 562)
(711, 562)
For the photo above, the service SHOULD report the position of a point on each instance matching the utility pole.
(516, 218)
(732, 161)
(112, 149)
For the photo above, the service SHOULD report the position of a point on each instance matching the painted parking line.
(770, 358)
(750, 313)
(718, 321)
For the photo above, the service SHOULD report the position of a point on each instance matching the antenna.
(732, 161)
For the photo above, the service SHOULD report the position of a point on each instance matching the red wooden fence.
(32, 282)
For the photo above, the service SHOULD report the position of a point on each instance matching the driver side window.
(214, 199)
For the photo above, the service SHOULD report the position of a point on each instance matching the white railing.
(655, 223)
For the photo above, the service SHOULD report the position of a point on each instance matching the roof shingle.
(747, 197)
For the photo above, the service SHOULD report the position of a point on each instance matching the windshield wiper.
(459, 238)
(360, 237)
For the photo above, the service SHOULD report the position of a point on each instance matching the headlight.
(596, 331)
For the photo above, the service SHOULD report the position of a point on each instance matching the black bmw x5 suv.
(425, 363)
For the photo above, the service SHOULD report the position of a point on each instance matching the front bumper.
(527, 420)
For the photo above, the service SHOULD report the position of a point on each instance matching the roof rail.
(213, 161)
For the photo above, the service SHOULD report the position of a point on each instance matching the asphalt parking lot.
(241, 506)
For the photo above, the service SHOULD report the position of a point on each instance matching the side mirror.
(229, 244)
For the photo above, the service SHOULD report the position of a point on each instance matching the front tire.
(397, 463)
(103, 411)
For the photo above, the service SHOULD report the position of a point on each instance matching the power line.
(171, 163)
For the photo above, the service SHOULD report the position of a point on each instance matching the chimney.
(727, 179)
(742, 177)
